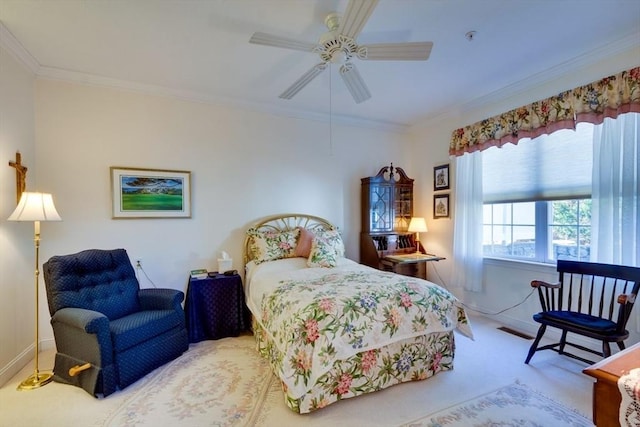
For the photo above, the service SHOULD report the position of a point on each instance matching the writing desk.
(414, 264)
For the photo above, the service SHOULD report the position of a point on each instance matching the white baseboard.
(20, 361)
(551, 334)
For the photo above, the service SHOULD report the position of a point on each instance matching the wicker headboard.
(286, 222)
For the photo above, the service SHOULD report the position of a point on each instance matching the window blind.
(549, 167)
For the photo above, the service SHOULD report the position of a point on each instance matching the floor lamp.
(417, 225)
(35, 207)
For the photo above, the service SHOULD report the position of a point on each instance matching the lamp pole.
(37, 379)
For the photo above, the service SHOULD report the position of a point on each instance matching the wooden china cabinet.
(387, 207)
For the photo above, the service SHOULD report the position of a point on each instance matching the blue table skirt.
(215, 308)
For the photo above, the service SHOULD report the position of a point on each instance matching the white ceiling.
(199, 49)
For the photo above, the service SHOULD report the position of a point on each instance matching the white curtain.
(616, 193)
(467, 231)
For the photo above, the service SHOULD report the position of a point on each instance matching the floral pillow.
(334, 239)
(323, 253)
(272, 245)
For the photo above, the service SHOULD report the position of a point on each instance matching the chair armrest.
(83, 334)
(91, 322)
(546, 293)
(160, 299)
(539, 283)
(626, 298)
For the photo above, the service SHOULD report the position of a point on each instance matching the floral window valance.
(608, 97)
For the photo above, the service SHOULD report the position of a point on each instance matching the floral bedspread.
(315, 322)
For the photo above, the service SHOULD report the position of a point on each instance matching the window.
(537, 197)
(543, 231)
(509, 230)
(569, 229)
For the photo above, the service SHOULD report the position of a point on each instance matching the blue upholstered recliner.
(103, 322)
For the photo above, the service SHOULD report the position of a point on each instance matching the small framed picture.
(441, 177)
(150, 193)
(441, 206)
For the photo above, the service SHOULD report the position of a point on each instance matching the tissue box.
(224, 264)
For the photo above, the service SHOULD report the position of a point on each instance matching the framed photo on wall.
(150, 193)
(441, 177)
(441, 206)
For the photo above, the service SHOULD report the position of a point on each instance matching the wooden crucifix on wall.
(21, 175)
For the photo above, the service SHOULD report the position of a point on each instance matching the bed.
(331, 328)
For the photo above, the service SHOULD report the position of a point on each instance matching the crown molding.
(52, 73)
(600, 53)
(596, 55)
(17, 51)
(15, 48)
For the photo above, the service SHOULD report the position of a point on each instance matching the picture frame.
(150, 193)
(441, 206)
(441, 177)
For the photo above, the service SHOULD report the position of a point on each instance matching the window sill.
(520, 264)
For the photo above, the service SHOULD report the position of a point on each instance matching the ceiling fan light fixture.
(339, 57)
(336, 48)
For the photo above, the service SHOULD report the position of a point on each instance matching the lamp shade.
(35, 207)
(417, 225)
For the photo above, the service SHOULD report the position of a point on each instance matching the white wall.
(245, 165)
(17, 298)
(505, 283)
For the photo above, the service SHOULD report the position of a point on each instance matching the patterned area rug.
(221, 383)
(226, 383)
(515, 405)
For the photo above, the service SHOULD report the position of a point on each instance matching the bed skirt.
(412, 359)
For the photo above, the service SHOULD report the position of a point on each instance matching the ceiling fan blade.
(356, 15)
(303, 81)
(284, 42)
(415, 51)
(354, 83)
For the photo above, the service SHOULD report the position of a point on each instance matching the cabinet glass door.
(381, 208)
(403, 211)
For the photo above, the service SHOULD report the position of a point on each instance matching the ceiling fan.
(339, 46)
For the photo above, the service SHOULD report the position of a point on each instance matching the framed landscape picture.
(150, 193)
(441, 177)
(441, 206)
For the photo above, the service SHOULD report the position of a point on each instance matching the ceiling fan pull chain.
(330, 112)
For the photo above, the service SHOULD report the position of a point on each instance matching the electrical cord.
(139, 267)
(475, 309)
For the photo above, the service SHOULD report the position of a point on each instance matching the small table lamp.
(417, 225)
(35, 207)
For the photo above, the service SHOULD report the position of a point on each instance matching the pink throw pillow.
(303, 248)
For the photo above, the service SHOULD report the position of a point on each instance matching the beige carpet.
(515, 405)
(225, 383)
